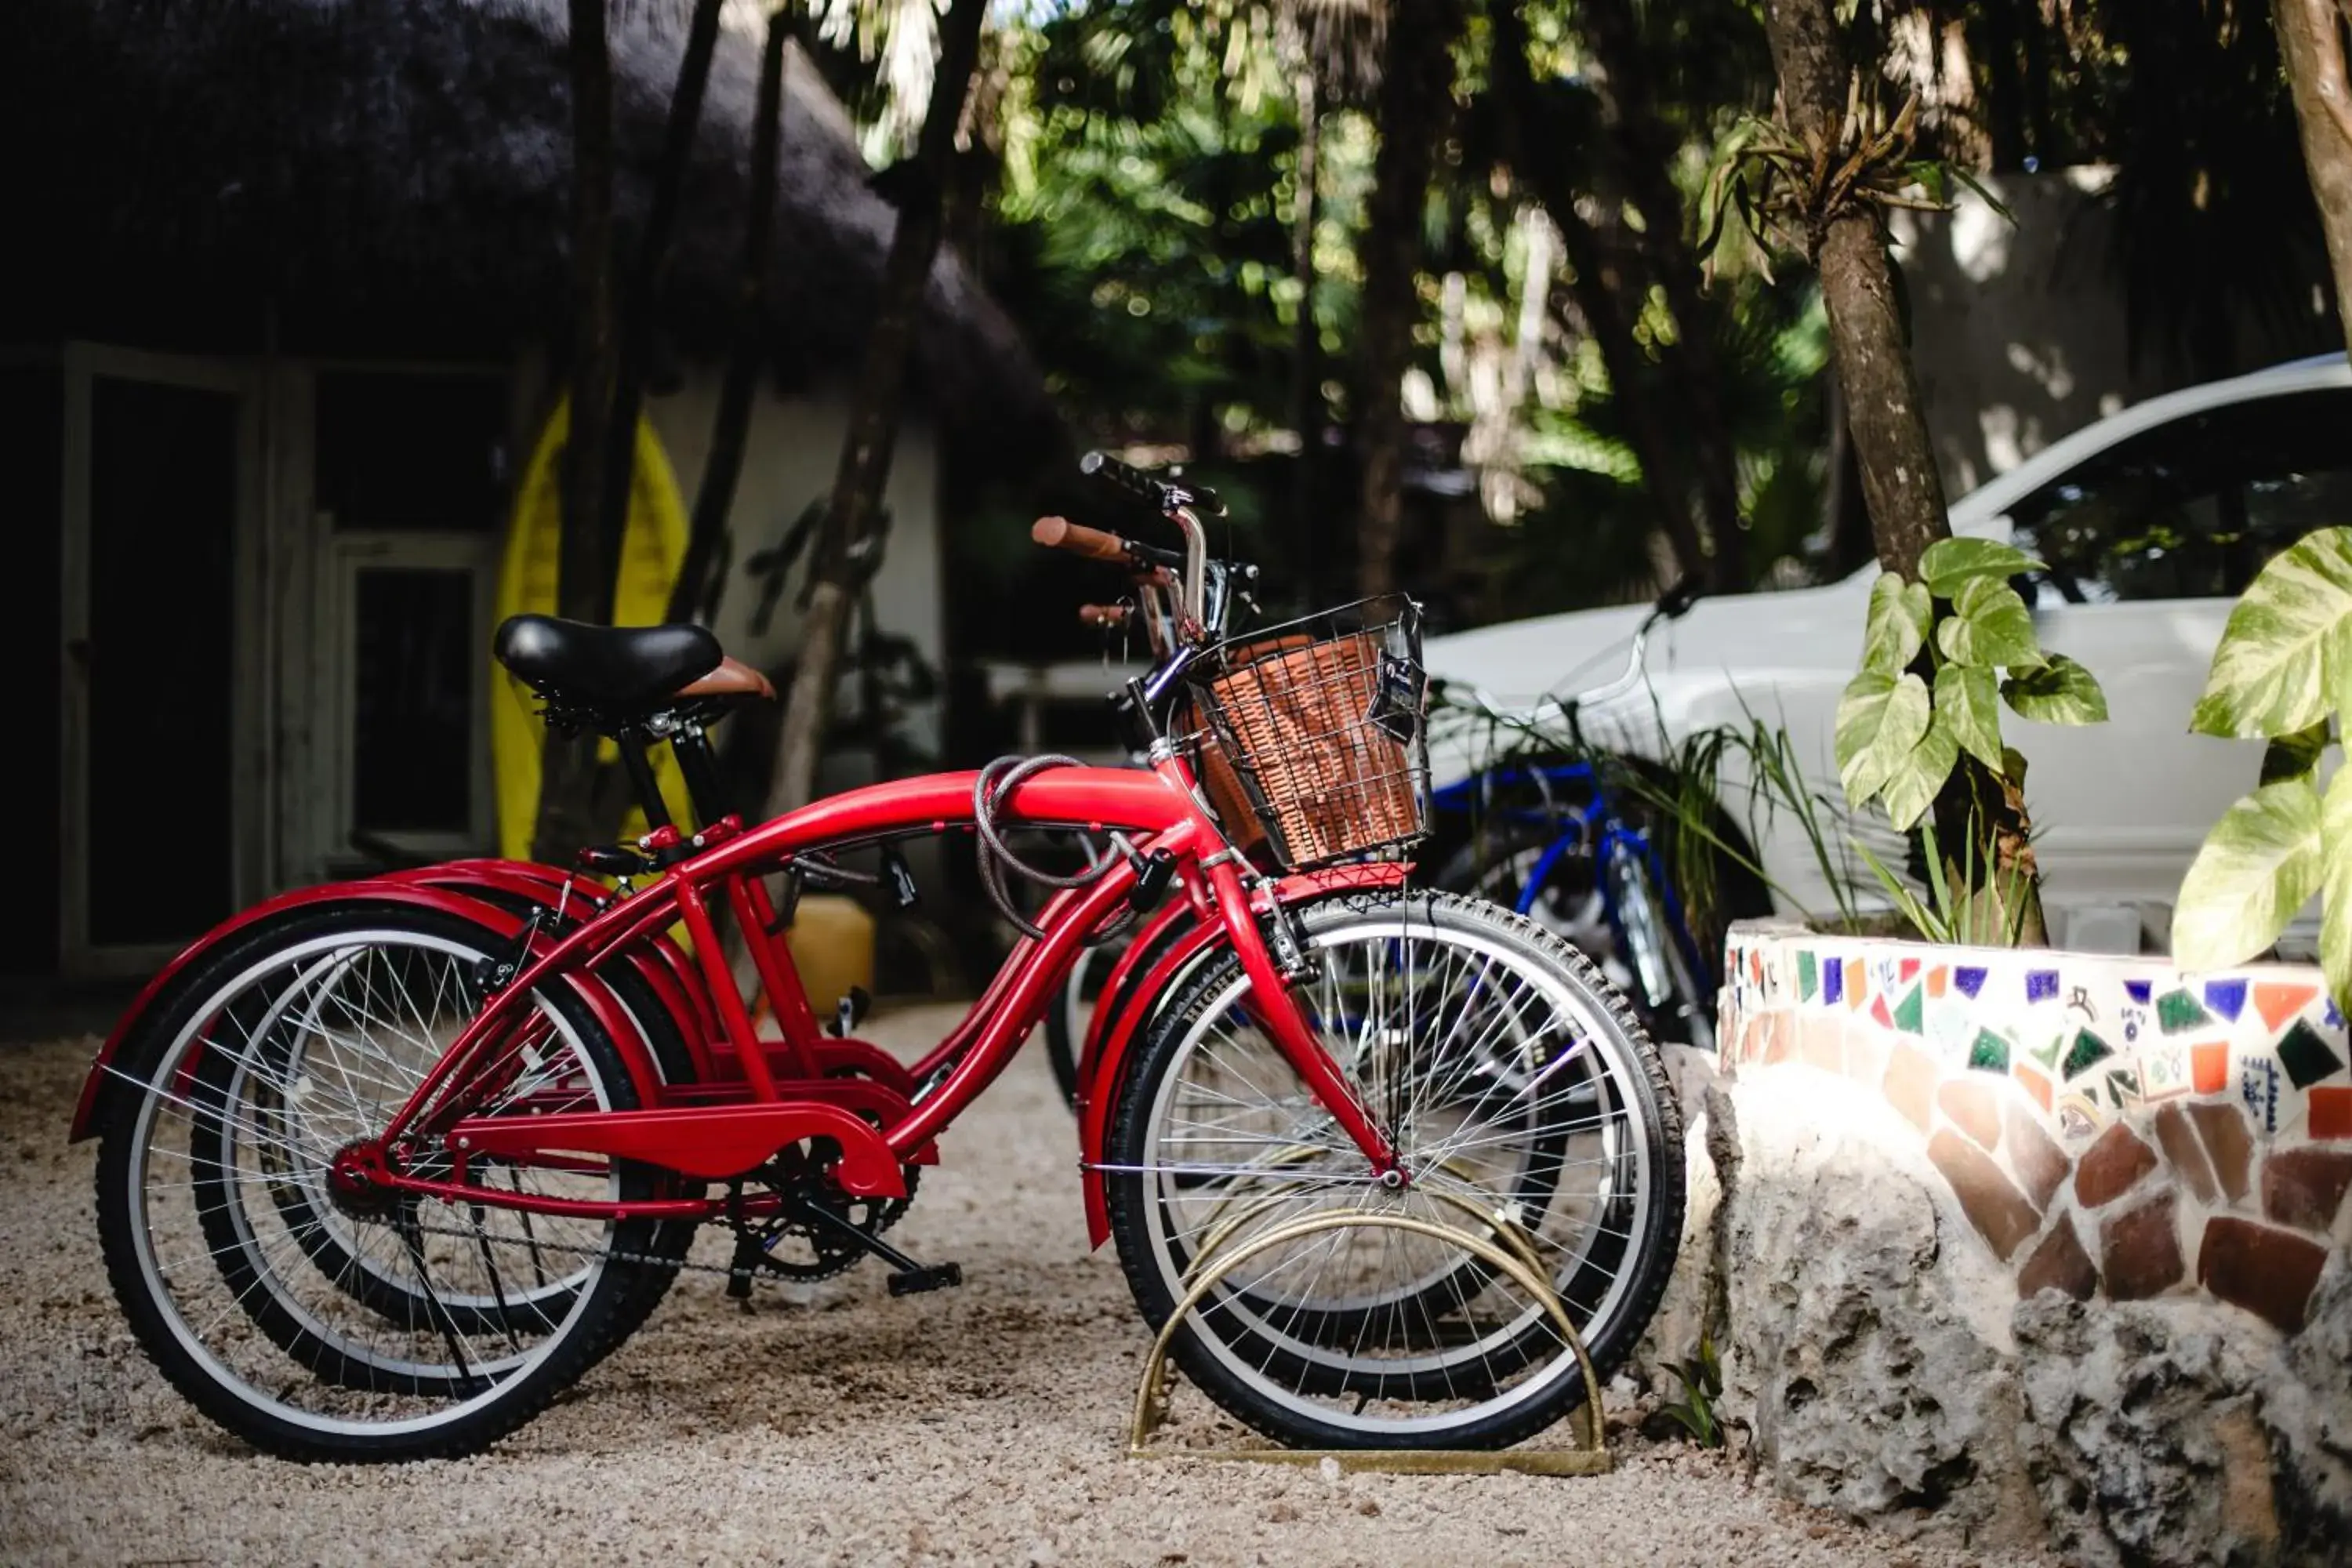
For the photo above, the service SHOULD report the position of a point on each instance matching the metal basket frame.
(1323, 722)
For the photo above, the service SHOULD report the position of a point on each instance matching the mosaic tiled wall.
(2110, 1127)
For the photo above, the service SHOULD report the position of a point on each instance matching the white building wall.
(789, 459)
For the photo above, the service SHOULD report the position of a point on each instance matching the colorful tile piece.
(2177, 1011)
(2037, 1083)
(2087, 1052)
(2079, 1116)
(2165, 1070)
(1937, 978)
(1908, 969)
(2331, 1112)
(1907, 1011)
(1970, 978)
(2333, 1019)
(2123, 1088)
(1857, 984)
(2209, 1066)
(2307, 1056)
(1878, 1011)
(1832, 981)
(2040, 984)
(1809, 978)
(1991, 1053)
(2047, 1054)
(2258, 1079)
(2278, 1003)
(2139, 990)
(2227, 997)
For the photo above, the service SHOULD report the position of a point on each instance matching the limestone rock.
(1881, 1366)
(2141, 1434)
(1866, 1343)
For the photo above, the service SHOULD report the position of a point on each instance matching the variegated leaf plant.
(1938, 657)
(2283, 668)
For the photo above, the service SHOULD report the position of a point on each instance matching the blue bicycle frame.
(1573, 826)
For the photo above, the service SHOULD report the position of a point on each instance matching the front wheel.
(1528, 1108)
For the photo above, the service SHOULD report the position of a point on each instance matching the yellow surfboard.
(651, 553)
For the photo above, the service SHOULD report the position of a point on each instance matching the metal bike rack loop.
(1590, 1457)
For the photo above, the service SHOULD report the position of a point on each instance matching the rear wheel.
(323, 1321)
(1529, 1109)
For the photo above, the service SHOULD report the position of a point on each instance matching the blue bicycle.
(1578, 841)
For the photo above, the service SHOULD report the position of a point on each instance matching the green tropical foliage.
(1936, 653)
(1701, 1377)
(2283, 671)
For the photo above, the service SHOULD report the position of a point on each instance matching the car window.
(2193, 507)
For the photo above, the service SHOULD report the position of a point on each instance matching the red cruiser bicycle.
(386, 1164)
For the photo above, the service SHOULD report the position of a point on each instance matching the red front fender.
(1110, 1040)
(608, 1011)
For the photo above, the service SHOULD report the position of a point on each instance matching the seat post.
(696, 760)
(633, 743)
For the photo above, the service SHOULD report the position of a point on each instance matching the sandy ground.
(833, 1425)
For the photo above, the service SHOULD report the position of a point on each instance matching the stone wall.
(2110, 1128)
(2046, 1249)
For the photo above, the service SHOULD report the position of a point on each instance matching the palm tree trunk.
(849, 546)
(1416, 101)
(1900, 483)
(1899, 479)
(587, 551)
(619, 465)
(714, 499)
(2311, 45)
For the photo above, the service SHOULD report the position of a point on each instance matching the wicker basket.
(1320, 724)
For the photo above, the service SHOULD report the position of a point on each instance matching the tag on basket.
(1396, 699)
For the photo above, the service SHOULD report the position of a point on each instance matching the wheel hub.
(358, 1180)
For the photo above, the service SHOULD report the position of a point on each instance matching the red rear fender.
(87, 1121)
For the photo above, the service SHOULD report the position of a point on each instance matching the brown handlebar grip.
(1061, 533)
(1104, 615)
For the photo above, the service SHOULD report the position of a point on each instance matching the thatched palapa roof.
(394, 175)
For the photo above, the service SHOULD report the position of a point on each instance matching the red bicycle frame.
(735, 1128)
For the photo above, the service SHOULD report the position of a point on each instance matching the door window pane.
(162, 514)
(418, 657)
(400, 452)
(2193, 507)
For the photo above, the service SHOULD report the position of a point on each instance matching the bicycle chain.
(642, 1259)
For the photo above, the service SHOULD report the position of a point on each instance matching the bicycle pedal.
(916, 1281)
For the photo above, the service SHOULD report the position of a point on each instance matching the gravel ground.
(831, 1424)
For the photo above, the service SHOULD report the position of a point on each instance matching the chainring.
(796, 1249)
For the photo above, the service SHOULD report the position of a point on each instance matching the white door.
(161, 781)
(2149, 543)
(409, 478)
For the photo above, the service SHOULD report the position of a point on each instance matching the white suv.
(2152, 522)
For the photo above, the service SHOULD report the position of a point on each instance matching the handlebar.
(1669, 606)
(1060, 534)
(1166, 495)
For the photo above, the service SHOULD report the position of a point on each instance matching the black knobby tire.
(1629, 1284)
(152, 1059)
